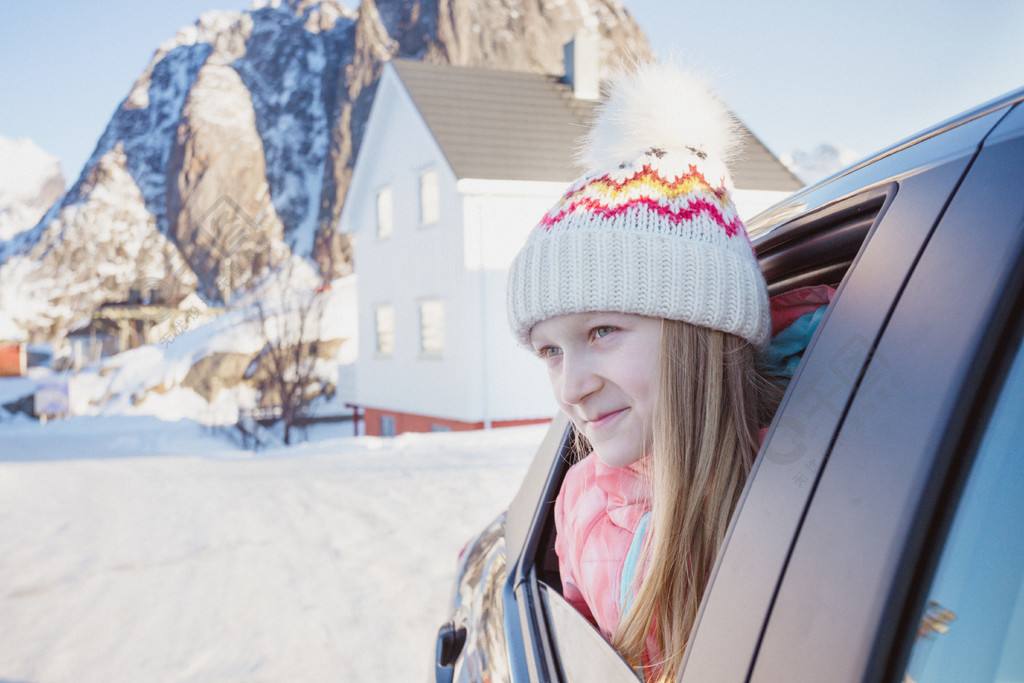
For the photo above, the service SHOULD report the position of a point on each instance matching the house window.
(387, 425)
(385, 327)
(430, 197)
(432, 326)
(385, 215)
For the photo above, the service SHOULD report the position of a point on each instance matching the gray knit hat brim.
(656, 275)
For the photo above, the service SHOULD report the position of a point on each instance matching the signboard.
(52, 397)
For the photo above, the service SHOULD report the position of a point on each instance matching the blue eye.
(549, 351)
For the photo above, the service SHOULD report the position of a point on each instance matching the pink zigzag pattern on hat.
(683, 214)
(650, 182)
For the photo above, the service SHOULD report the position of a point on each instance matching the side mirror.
(450, 641)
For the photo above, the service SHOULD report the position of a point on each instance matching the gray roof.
(758, 169)
(513, 125)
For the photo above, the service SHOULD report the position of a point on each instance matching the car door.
(917, 182)
(850, 602)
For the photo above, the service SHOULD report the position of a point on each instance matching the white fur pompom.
(660, 107)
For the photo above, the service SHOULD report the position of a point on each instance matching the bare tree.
(285, 372)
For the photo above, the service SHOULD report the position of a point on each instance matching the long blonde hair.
(712, 403)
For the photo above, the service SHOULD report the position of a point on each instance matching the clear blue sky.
(857, 74)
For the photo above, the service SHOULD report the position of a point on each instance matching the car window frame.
(530, 653)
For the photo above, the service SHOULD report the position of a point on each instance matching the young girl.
(640, 292)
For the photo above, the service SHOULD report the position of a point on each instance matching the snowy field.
(133, 549)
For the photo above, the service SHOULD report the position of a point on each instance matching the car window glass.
(583, 653)
(972, 628)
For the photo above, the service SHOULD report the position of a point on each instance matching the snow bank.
(138, 549)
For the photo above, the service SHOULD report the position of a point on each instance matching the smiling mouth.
(602, 420)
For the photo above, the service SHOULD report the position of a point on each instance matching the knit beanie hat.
(651, 228)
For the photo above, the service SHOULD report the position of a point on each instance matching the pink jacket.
(596, 515)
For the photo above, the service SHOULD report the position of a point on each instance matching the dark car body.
(874, 502)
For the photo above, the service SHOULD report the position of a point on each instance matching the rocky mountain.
(239, 138)
(30, 182)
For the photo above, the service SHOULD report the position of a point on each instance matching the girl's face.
(604, 371)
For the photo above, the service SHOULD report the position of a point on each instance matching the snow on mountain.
(30, 182)
(142, 550)
(87, 252)
(147, 121)
(820, 162)
(286, 68)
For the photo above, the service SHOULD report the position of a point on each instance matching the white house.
(455, 168)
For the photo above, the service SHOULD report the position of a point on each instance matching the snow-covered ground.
(133, 549)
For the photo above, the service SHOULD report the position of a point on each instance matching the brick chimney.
(583, 65)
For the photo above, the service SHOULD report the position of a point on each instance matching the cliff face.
(217, 163)
(240, 137)
(518, 35)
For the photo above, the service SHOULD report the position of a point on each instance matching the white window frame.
(430, 197)
(383, 343)
(432, 327)
(385, 213)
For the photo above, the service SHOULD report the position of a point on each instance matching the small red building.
(13, 359)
